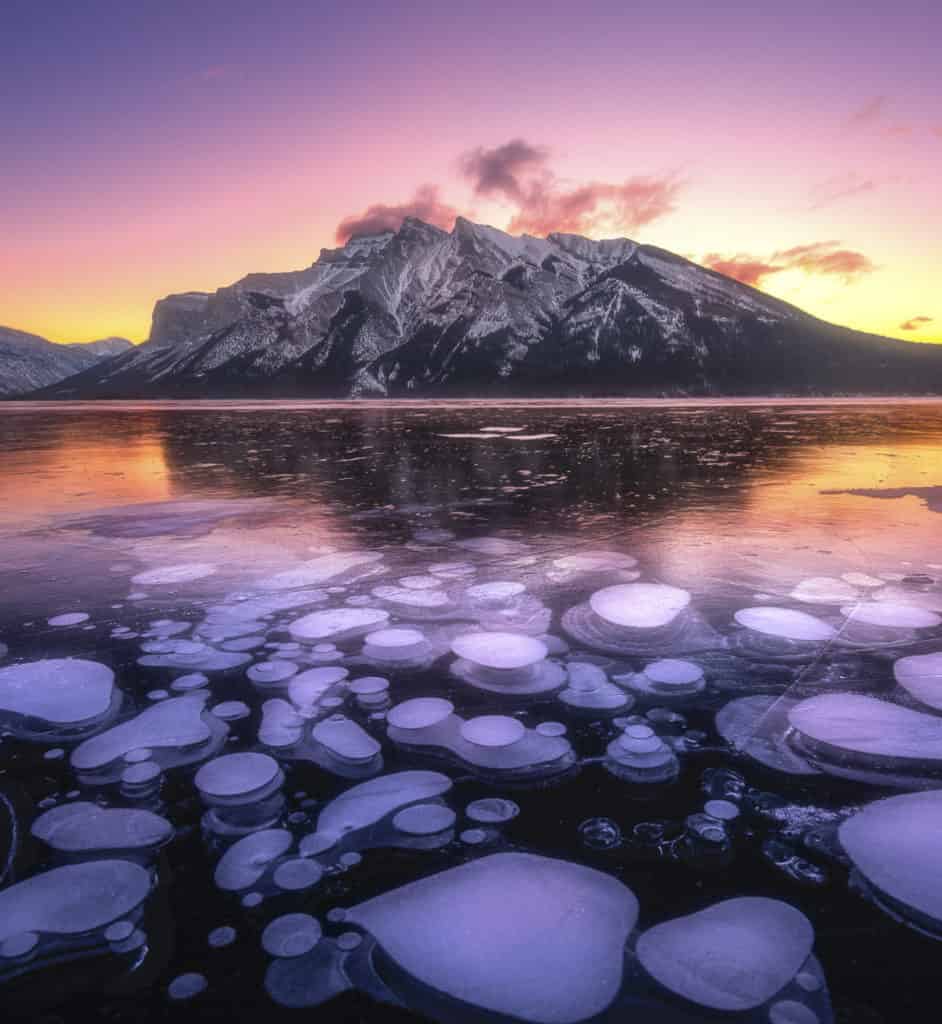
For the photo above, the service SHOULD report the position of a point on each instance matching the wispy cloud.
(916, 323)
(841, 186)
(426, 205)
(821, 258)
(503, 170)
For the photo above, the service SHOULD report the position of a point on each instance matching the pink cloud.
(426, 205)
(915, 323)
(747, 269)
(825, 258)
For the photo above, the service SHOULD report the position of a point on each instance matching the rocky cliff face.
(475, 311)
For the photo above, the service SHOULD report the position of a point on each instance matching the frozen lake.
(471, 711)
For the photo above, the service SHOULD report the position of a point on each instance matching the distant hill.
(28, 362)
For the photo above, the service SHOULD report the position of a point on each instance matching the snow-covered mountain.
(28, 361)
(475, 311)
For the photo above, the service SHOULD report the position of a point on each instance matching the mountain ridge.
(425, 312)
(29, 361)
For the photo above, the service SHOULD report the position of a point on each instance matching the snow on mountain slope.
(28, 361)
(478, 311)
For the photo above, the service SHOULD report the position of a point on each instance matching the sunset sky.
(150, 148)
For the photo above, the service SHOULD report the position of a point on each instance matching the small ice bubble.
(291, 935)
(171, 574)
(639, 605)
(349, 941)
(222, 936)
(492, 810)
(424, 819)
(187, 986)
(600, 834)
(492, 730)
(419, 713)
(295, 875)
(788, 1011)
(68, 619)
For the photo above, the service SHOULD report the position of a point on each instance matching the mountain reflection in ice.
(471, 712)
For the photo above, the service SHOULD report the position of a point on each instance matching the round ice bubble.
(419, 713)
(921, 675)
(294, 875)
(291, 935)
(496, 592)
(492, 810)
(187, 986)
(68, 619)
(499, 650)
(424, 819)
(420, 583)
(222, 936)
(673, 672)
(394, 643)
(171, 574)
(234, 775)
(891, 615)
(413, 598)
(824, 590)
(639, 605)
(333, 622)
(785, 623)
(271, 672)
(595, 561)
(493, 730)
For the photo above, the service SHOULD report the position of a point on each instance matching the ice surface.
(734, 955)
(785, 623)
(535, 939)
(639, 605)
(921, 675)
(60, 691)
(73, 899)
(337, 623)
(895, 844)
(171, 574)
(867, 727)
(82, 827)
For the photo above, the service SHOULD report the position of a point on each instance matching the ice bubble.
(171, 574)
(337, 623)
(179, 731)
(417, 603)
(73, 899)
(319, 570)
(369, 686)
(836, 724)
(733, 956)
(420, 583)
(499, 933)
(860, 579)
(588, 689)
(640, 755)
(231, 710)
(497, 593)
(59, 691)
(824, 590)
(424, 819)
(192, 681)
(452, 570)
(673, 675)
(722, 810)
(244, 863)
(492, 810)
(420, 713)
(508, 662)
(595, 561)
(68, 619)
(295, 875)
(187, 986)
(222, 936)
(639, 605)
(349, 940)
(309, 687)
(921, 675)
(369, 802)
(894, 843)
(82, 827)
(600, 834)
(789, 1011)
(291, 935)
(891, 615)
(199, 657)
(493, 730)
(238, 778)
(345, 740)
(271, 673)
(551, 729)
(432, 535)
(756, 726)
(243, 643)
(474, 836)
(785, 623)
(397, 644)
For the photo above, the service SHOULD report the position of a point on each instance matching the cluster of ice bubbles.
(454, 665)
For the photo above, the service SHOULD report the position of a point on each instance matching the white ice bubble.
(337, 622)
(493, 546)
(345, 740)
(500, 650)
(891, 615)
(595, 561)
(68, 619)
(395, 644)
(319, 570)
(424, 819)
(171, 574)
(296, 875)
(639, 605)
(187, 986)
(291, 935)
(498, 592)
(234, 778)
(824, 590)
(419, 712)
(921, 675)
(244, 863)
(733, 956)
(492, 810)
(271, 673)
(785, 623)
(60, 691)
(499, 934)
(309, 687)
(493, 730)
(82, 827)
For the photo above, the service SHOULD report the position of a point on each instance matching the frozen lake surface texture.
(615, 712)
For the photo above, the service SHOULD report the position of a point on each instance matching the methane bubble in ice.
(493, 547)
(499, 934)
(296, 875)
(178, 731)
(222, 936)
(419, 713)
(73, 899)
(505, 663)
(494, 594)
(733, 956)
(756, 727)
(640, 755)
(69, 619)
(271, 674)
(346, 741)
(589, 690)
(62, 693)
(639, 605)
(921, 676)
(291, 935)
(424, 819)
(171, 574)
(785, 623)
(493, 730)
(338, 623)
(824, 590)
(894, 844)
(395, 645)
(666, 678)
(320, 570)
(244, 863)
(885, 622)
(308, 688)
(81, 827)
(595, 561)
(237, 778)
(850, 727)
(187, 986)
(492, 810)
